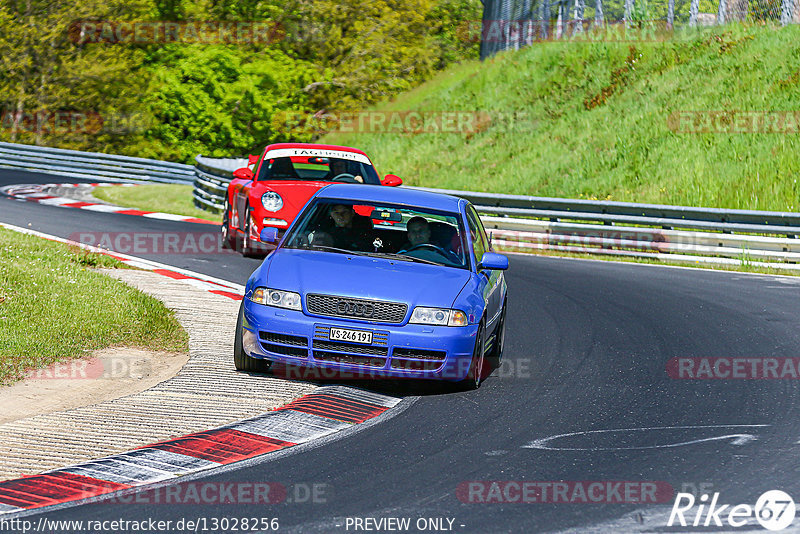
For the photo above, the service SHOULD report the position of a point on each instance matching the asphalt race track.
(587, 350)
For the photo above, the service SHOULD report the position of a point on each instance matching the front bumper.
(396, 351)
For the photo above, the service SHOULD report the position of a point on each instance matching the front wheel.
(241, 360)
(475, 374)
(228, 241)
(248, 247)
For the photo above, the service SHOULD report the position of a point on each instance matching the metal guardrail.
(518, 222)
(212, 177)
(529, 223)
(92, 165)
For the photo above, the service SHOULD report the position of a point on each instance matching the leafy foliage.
(173, 101)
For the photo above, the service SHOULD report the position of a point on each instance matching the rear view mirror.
(384, 215)
(391, 180)
(493, 262)
(268, 235)
(243, 174)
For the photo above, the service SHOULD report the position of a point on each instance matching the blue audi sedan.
(378, 282)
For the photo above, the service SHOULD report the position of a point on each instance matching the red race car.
(280, 183)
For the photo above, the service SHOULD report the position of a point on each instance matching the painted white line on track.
(40, 193)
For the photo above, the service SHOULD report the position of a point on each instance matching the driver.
(418, 232)
(339, 167)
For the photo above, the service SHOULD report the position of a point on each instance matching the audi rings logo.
(359, 309)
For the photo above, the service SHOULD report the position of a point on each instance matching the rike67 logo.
(774, 510)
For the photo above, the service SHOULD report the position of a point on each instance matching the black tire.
(249, 249)
(228, 237)
(474, 377)
(241, 360)
(495, 355)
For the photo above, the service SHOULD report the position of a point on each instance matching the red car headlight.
(271, 201)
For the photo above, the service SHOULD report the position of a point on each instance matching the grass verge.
(651, 122)
(165, 198)
(54, 307)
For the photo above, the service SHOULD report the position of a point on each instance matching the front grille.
(368, 310)
(284, 339)
(370, 361)
(416, 365)
(351, 348)
(297, 352)
(419, 354)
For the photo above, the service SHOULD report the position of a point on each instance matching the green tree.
(45, 71)
(218, 101)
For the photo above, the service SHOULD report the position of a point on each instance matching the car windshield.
(386, 231)
(318, 169)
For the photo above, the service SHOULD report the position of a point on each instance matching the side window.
(480, 243)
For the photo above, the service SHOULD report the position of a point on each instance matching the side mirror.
(493, 261)
(243, 174)
(391, 180)
(270, 235)
(252, 159)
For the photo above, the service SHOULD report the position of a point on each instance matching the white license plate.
(354, 336)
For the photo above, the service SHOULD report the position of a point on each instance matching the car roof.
(390, 195)
(276, 146)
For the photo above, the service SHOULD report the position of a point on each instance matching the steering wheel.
(344, 177)
(447, 254)
(440, 250)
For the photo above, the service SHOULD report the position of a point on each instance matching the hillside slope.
(614, 121)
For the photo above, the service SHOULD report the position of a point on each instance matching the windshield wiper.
(334, 249)
(420, 260)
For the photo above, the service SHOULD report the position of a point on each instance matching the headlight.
(274, 297)
(438, 316)
(271, 201)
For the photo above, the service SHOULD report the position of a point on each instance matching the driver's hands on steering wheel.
(344, 177)
(451, 256)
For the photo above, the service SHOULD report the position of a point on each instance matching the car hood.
(330, 273)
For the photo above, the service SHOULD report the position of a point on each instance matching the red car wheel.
(228, 235)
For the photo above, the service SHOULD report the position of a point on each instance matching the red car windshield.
(318, 169)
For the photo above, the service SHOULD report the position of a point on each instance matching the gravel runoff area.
(205, 393)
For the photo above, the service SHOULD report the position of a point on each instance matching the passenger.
(350, 230)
